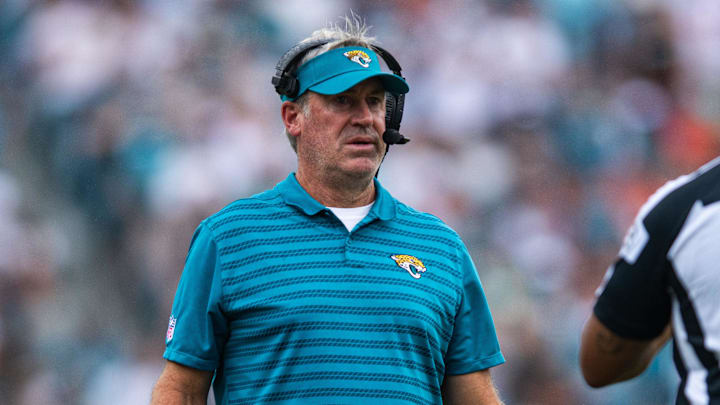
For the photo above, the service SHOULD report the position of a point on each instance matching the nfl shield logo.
(171, 329)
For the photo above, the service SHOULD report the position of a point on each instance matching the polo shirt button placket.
(348, 242)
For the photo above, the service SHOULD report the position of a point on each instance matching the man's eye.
(374, 101)
(344, 100)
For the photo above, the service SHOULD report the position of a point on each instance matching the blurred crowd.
(538, 129)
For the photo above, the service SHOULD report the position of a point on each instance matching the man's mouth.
(361, 146)
(360, 141)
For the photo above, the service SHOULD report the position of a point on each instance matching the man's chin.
(361, 168)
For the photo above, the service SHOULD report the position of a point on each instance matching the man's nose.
(362, 114)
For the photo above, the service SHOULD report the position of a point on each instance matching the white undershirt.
(351, 216)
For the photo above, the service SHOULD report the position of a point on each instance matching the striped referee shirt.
(286, 306)
(668, 270)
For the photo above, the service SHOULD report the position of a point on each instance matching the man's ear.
(292, 117)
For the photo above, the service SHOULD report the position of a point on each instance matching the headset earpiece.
(284, 80)
(393, 116)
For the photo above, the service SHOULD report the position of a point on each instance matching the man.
(325, 289)
(667, 278)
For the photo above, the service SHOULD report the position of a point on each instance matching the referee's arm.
(606, 358)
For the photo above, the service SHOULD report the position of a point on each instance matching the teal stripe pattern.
(286, 306)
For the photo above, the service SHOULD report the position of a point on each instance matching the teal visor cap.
(339, 69)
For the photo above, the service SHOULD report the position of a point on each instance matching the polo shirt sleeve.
(474, 345)
(198, 328)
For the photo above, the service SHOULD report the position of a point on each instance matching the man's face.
(342, 134)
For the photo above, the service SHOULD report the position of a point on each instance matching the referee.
(665, 281)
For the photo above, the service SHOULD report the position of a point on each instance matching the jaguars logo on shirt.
(359, 57)
(412, 264)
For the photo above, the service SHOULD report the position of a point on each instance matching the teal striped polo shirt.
(286, 306)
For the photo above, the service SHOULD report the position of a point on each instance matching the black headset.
(286, 84)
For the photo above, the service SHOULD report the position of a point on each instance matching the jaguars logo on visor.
(359, 57)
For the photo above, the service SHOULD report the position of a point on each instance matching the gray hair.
(355, 33)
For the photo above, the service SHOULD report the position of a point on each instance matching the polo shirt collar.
(294, 194)
(385, 206)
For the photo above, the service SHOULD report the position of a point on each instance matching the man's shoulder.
(412, 217)
(264, 203)
(665, 213)
(677, 196)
